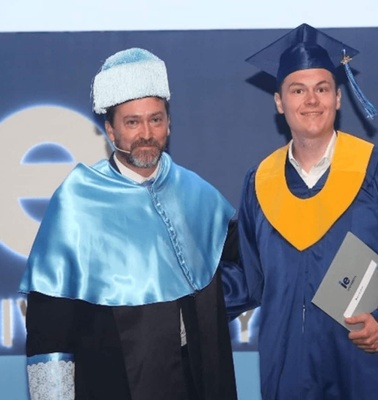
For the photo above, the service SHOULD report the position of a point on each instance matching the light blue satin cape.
(108, 240)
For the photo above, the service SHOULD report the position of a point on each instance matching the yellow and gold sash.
(302, 222)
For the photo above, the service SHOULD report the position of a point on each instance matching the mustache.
(145, 142)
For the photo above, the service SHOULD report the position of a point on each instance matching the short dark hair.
(335, 79)
(109, 116)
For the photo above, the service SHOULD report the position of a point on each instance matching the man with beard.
(124, 295)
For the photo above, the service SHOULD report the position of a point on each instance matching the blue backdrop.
(223, 122)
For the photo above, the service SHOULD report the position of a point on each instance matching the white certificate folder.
(350, 286)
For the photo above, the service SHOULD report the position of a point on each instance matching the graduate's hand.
(365, 338)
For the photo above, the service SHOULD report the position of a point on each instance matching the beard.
(144, 153)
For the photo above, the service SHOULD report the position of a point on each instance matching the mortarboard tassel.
(369, 108)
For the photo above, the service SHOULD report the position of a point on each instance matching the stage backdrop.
(223, 122)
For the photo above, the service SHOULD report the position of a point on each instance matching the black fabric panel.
(209, 342)
(150, 337)
(231, 247)
(99, 370)
(50, 325)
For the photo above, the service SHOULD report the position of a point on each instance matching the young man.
(297, 206)
(124, 297)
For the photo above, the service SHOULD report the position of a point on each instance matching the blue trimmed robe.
(113, 266)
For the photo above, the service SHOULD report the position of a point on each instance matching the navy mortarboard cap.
(305, 48)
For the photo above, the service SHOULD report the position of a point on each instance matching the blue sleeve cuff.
(44, 358)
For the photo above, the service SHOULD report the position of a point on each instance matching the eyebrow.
(139, 116)
(324, 81)
(157, 113)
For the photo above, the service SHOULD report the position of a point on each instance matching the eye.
(156, 120)
(323, 89)
(131, 123)
(297, 91)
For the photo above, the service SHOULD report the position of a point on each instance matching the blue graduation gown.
(304, 354)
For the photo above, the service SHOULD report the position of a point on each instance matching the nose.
(311, 97)
(146, 130)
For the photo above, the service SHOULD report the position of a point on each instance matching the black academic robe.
(135, 352)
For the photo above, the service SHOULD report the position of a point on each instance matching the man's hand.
(365, 338)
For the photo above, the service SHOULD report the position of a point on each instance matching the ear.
(169, 127)
(278, 101)
(338, 99)
(109, 131)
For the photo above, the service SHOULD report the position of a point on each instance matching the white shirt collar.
(129, 173)
(316, 172)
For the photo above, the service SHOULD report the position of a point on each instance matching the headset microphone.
(122, 151)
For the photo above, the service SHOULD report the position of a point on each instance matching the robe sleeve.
(243, 278)
(49, 347)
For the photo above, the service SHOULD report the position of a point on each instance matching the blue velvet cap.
(305, 48)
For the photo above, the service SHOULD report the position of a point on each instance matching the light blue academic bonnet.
(128, 75)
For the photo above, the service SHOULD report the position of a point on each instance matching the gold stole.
(302, 222)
